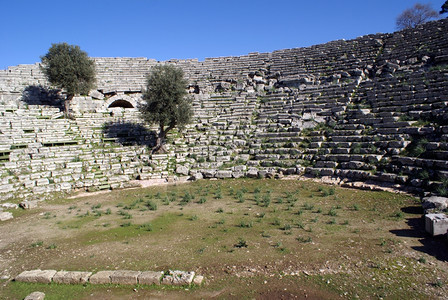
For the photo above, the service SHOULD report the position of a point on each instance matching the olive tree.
(416, 15)
(444, 8)
(69, 68)
(165, 102)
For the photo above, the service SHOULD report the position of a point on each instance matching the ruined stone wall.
(372, 109)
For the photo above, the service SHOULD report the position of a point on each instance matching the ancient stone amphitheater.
(369, 110)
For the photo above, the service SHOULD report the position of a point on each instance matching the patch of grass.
(302, 239)
(52, 246)
(37, 244)
(146, 227)
(241, 243)
(151, 205)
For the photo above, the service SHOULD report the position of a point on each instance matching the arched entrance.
(121, 103)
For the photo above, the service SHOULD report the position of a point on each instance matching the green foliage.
(241, 244)
(165, 101)
(151, 205)
(444, 8)
(68, 67)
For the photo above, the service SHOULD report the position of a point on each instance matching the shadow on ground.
(39, 95)
(434, 246)
(129, 134)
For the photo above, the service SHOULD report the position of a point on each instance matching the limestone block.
(435, 203)
(237, 174)
(150, 277)
(96, 95)
(436, 224)
(42, 182)
(102, 277)
(7, 188)
(209, 173)
(124, 277)
(71, 277)
(28, 204)
(36, 276)
(182, 170)
(223, 174)
(198, 279)
(178, 278)
(9, 205)
(6, 215)
(252, 173)
(35, 296)
(197, 176)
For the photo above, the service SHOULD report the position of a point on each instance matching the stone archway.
(122, 101)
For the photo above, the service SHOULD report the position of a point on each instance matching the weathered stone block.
(182, 170)
(6, 215)
(71, 277)
(223, 174)
(102, 277)
(28, 204)
(35, 296)
(435, 203)
(150, 277)
(36, 276)
(198, 279)
(178, 278)
(436, 224)
(125, 277)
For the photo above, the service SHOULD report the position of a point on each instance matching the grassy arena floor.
(261, 239)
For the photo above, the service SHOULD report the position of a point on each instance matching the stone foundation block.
(70, 277)
(35, 296)
(178, 278)
(36, 276)
(436, 224)
(198, 279)
(150, 277)
(5, 216)
(125, 277)
(102, 277)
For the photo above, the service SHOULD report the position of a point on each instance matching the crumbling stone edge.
(125, 277)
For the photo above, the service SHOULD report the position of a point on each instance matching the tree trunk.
(160, 142)
(161, 139)
(67, 106)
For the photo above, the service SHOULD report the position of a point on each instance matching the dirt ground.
(280, 240)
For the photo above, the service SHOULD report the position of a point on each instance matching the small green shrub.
(151, 205)
(241, 244)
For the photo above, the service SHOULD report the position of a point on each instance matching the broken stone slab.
(252, 173)
(436, 224)
(9, 205)
(434, 203)
(35, 296)
(125, 277)
(223, 174)
(96, 95)
(196, 176)
(36, 276)
(28, 204)
(178, 278)
(182, 170)
(198, 279)
(102, 277)
(71, 277)
(6, 215)
(150, 277)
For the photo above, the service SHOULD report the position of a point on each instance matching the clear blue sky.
(164, 29)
